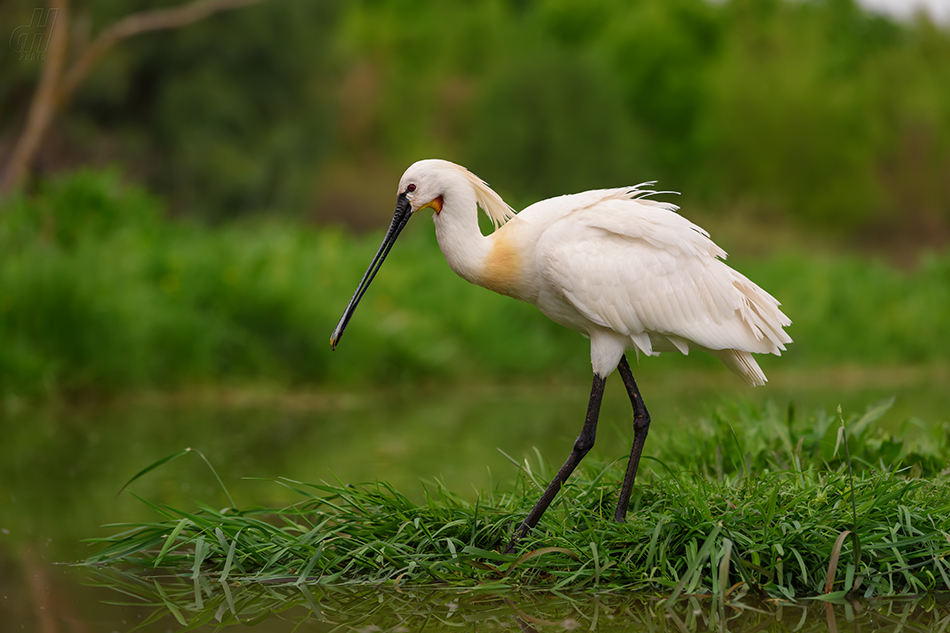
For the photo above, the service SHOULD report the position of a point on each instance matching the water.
(61, 468)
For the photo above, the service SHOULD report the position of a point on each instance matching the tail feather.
(760, 312)
(743, 364)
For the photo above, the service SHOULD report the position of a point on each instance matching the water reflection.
(177, 602)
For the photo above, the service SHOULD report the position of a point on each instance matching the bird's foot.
(519, 533)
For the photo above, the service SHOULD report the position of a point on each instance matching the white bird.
(624, 270)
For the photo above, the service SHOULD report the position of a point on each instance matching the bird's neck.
(461, 241)
(494, 261)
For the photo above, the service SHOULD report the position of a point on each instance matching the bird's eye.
(410, 188)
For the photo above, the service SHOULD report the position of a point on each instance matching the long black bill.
(400, 218)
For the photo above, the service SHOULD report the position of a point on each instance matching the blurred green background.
(198, 212)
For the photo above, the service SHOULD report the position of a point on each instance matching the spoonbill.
(621, 268)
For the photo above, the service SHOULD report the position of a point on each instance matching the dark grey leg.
(641, 426)
(582, 446)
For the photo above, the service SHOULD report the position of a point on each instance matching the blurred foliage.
(773, 439)
(99, 292)
(814, 110)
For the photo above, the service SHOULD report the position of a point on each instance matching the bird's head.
(427, 184)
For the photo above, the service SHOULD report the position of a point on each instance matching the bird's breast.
(503, 270)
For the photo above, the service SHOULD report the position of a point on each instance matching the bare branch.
(135, 24)
(43, 105)
(55, 90)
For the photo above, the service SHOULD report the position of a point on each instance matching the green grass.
(754, 504)
(781, 529)
(99, 294)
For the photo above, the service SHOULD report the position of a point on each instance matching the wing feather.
(641, 270)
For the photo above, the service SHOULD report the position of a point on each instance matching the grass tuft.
(749, 528)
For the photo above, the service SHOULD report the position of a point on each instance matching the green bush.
(99, 293)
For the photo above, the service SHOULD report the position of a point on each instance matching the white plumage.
(621, 268)
(624, 270)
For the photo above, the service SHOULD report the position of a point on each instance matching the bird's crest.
(491, 203)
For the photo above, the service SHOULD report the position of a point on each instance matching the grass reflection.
(169, 599)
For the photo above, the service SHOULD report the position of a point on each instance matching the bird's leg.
(582, 446)
(641, 426)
